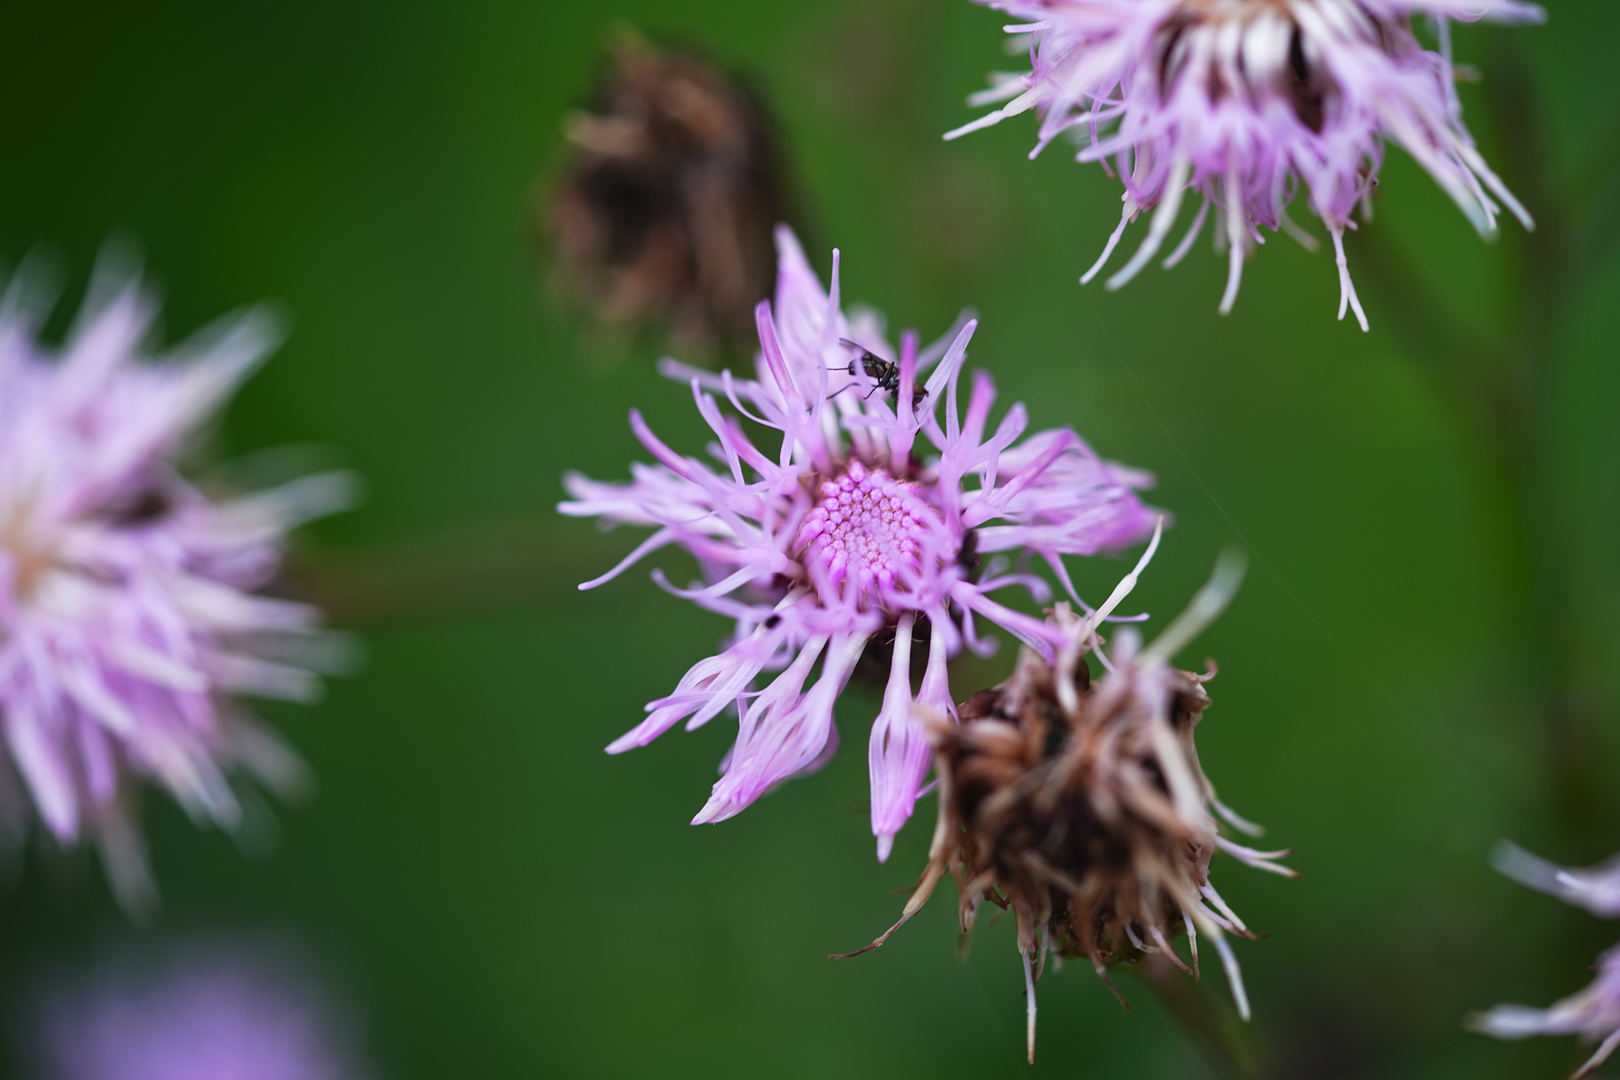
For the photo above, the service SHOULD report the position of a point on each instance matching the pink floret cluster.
(867, 524)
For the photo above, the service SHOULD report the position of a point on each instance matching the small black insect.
(881, 372)
(147, 506)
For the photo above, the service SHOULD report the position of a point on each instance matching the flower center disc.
(869, 528)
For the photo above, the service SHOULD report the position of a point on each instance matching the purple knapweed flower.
(1592, 1013)
(852, 532)
(127, 613)
(1242, 101)
(202, 1015)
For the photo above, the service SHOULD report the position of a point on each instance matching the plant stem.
(1229, 1048)
(492, 567)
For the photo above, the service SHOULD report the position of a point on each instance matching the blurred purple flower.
(1592, 1013)
(1596, 888)
(205, 1016)
(126, 606)
(1241, 101)
(846, 535)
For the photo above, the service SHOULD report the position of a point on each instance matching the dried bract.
(664, 210)
(1082, 807)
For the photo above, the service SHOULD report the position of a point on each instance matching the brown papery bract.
(1084, 810)
(665, 206)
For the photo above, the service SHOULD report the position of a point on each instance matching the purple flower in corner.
(1241, 102)
(1592, 1013)
(203, 1015)
(127, 606)
(1596, 888)
(864, 530)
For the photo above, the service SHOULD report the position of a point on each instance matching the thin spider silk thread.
(1518, 815)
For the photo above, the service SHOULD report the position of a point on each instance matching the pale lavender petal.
(1596, 888)
(898, 753)
(785, 736)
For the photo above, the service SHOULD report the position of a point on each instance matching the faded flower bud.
(665, 208)
(1082, 806)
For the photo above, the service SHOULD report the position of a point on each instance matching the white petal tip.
(714, 811)
(1509, 1022)
(987, 120)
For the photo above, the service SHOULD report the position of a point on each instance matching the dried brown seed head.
(664, 209)
(1082, 807)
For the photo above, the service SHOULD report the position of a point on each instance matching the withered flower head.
(665, 209)
(1082, 806)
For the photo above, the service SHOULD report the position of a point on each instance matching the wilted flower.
(1241, 101)
(126, 593)
(1593, 1013)
(666, 205)
(1083, 807)
(846, 535)
(203, 1015)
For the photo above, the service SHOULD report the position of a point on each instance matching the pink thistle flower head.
(1244, 101)
(1082, 806)
(127, 608)
(868, 522)
(1592, 1013)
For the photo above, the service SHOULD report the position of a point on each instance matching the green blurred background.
(494, 895)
